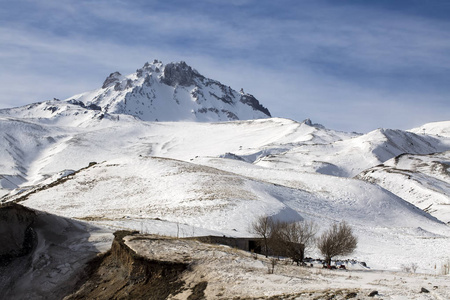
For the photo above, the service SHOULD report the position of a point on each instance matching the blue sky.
(350, 65)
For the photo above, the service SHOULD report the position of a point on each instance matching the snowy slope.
(349, 157)
(55, 112)
(438, 129)
(423, 180)
(20, 143)
(73, 148)
(134, 192)
(172, 92)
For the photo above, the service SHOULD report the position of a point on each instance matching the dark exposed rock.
(424, 290)
(120, 86)
(373, 293)
(76, 102)
(250, 100)
(226, 98)
(52, 108)
(204, 110)
(230, 115)
(112, 79)
(122, 274)
(198, 293)
(18, 237)
(179, 74)
(91, 106)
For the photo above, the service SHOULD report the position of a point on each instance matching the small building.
(247, 244)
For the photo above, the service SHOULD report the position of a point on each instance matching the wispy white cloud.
(344, 66)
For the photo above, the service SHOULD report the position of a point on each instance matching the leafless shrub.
(445, 267)
(411, 268)
(286, 239)
(273, 263)
(263, 227)
(295, 238)
(338, 240)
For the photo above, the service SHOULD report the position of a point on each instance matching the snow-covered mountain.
(155, 92)
(348, 157)
(171, 92)
(100, 156)
(423, 180)
(438, 129)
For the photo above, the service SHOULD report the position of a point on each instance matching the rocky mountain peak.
(179, 73)
(148, 68)
(172, 92)
(251, 101)
(112, 79)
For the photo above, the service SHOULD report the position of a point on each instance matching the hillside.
(220, 163)
(423, 180)
(42, 255)
(155, 195)
(438, 129)
(154, 267)
(349, 157)
(40, 151)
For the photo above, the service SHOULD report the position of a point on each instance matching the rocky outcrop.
(111, 80)
(251, 101)
(42, 255)
(179, 74)
(17, 234)
(123, 274)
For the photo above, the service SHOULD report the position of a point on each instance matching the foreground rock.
(42, 256)
(155, 267)
(122, 274)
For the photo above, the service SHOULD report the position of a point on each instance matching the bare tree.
(283, 238)
(295, 238)
(264, 227)
(338, 240)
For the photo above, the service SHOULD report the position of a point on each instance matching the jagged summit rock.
(310, 123)
(179, 74)
(171, 92)
(112, 79)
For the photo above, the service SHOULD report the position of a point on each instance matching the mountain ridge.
(217, 177)
(171, 92)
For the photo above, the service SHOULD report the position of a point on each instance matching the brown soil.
(122, 274)
(198, 292)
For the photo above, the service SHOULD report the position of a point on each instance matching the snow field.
(137, 193)
(174, 178)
